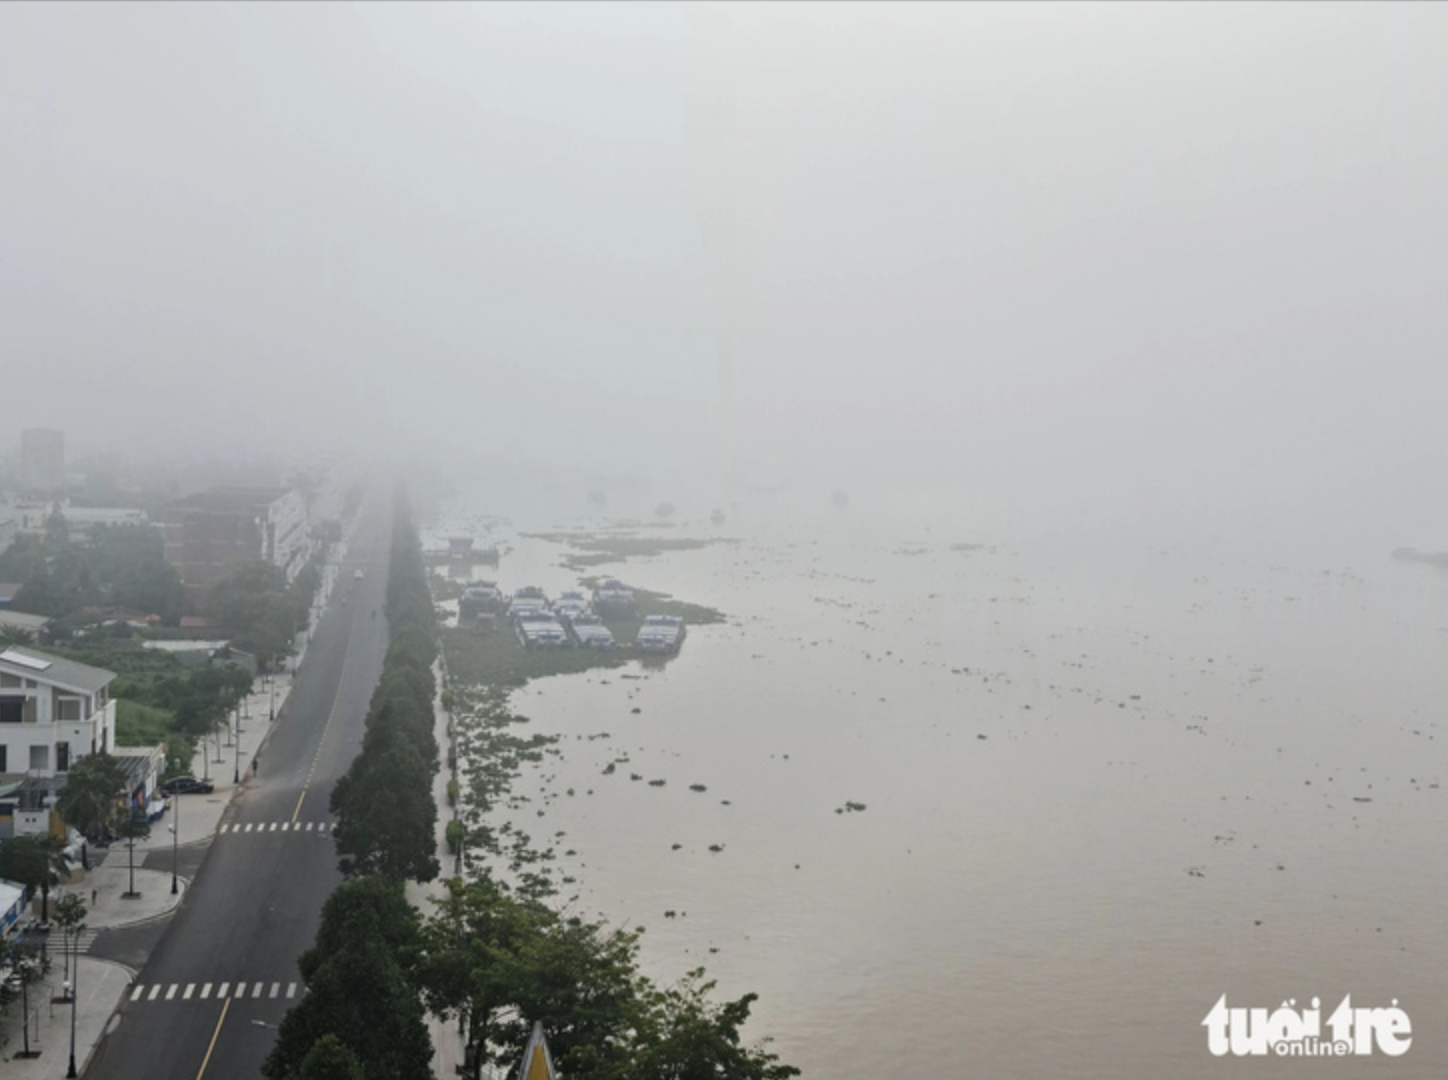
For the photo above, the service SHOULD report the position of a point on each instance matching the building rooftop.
(56, 670)
(230, 500)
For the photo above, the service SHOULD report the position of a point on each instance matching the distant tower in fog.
(42, 463)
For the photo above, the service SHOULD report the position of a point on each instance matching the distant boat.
(660, 634)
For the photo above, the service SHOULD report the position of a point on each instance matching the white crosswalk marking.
(275, 826)
(165, 992)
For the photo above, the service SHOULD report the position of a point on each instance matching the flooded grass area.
(598, 550)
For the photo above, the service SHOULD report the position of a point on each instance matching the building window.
(12, 710)
(40, 758)
(62, 757)
(68, 708)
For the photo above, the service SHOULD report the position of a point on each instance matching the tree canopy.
(94, 797)
(358, 991)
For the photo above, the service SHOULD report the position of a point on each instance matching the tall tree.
(500, 963)
(358, 989)
(330, 1059)
(94, 795)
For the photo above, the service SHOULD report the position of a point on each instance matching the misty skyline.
(1107, 258)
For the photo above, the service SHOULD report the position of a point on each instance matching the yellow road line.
(214, 1036)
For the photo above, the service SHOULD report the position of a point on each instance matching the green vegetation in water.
(598, 550)
(499, 659)
(656, 603)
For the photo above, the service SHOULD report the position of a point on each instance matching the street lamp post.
(175, 842)
(272, 682)
(70, 1073)
(236, 764)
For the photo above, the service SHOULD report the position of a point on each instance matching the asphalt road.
(256, 899)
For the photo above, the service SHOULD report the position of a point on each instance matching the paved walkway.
(447, 1041)
(99, 984)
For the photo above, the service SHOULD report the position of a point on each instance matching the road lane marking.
(214, 1035)
(136, 994)
(224, 988)
(275, 990)
(154, 991)
(205, 991)
(322, 739)
(291, 990)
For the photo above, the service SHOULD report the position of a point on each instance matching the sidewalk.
(447, 1042)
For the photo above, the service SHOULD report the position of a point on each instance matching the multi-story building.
(53, 712)
(42, 463)
(209, 534)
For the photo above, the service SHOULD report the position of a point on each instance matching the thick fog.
(1133, 261)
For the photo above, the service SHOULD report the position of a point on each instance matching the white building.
(53, 712)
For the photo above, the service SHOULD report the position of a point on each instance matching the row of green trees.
(384, 810)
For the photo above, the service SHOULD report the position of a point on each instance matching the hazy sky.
(1135, 256)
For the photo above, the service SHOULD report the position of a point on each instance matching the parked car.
(187, 785)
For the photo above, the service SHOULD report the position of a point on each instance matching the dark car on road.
(187, 785)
